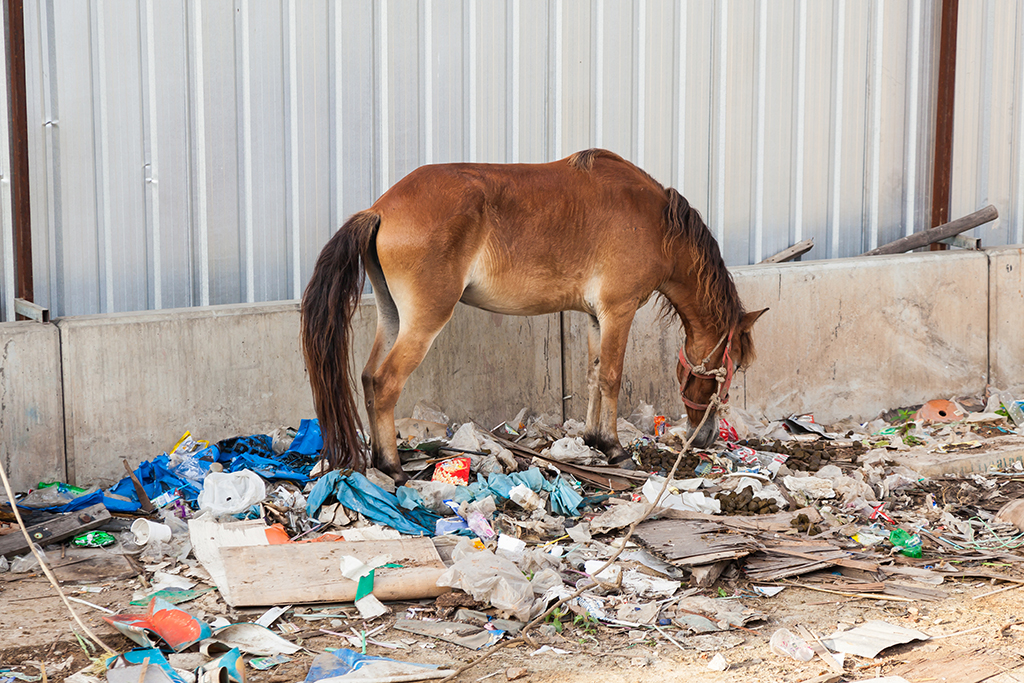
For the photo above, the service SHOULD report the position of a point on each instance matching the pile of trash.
(523, 527)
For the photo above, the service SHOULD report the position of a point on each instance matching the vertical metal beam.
(14, 34)
(914, 85)
(944, 116)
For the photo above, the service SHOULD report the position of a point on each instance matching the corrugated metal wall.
(199, 152)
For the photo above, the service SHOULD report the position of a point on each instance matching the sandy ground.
(35, 626)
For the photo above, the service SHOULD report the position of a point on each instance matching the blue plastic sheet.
(308, 440)
(358, 493)
(343, 661)
(564, 499)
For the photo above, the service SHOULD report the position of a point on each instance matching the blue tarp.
(358, 493)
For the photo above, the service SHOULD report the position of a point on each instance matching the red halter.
(700, 371)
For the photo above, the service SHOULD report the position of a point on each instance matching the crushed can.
(93, 539)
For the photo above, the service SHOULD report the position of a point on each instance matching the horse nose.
(706, 435)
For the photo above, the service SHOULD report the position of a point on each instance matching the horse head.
(704, 385)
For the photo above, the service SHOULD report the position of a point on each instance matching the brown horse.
(590, 233)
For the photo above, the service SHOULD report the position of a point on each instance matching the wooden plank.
(932, 235)
(295, 573)
(56, 530)
(790, 253)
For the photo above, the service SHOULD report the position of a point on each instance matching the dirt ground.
(966, 633)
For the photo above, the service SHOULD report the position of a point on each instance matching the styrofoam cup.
(146, 531)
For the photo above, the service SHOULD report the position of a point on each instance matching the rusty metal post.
(14, 34)
(945, 98)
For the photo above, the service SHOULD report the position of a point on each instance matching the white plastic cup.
(146, 531)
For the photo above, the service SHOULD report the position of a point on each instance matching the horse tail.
(328, 304)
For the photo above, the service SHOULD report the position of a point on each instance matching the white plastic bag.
(229, 493)
(572, 450)
(489, 578)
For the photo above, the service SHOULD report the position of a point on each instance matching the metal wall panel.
(988, 129)
(194, 152)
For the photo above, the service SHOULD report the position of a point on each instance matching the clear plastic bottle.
(788, 644)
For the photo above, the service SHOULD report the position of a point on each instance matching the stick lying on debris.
(524, 637)
(932, 235)
(42, 561)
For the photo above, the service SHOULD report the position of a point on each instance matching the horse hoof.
(623, 462)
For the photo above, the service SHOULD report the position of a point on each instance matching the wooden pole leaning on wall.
(932, 235)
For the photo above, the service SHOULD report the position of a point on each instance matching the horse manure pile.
(654, 459)
(808, 457)
(744, 503)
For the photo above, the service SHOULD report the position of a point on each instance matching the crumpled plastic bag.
(469, 438)
(810, 487)
(572, 450)
(617, 517)
(643, 418)
(692, 501)
(491, 579)
(28, 562)
(230, 493)
(433, 494)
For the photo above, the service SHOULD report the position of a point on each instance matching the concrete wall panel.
(31, 414)
(135, 382)
(1006, 318)
(854, 337)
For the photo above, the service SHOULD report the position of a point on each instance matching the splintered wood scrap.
(694, 542)
(868, 596)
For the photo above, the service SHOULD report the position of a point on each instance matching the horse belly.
(524, 293)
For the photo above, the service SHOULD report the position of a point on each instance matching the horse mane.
(584, 161)
(716, 291)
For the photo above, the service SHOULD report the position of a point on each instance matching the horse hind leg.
(387, 330)
(593, 427)
(415, 336)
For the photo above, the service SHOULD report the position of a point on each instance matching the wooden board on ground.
(90, 565)
(964, 666)
(295, 573)
(56, 530)
(779, 561)
(693, 542)
(778, 522)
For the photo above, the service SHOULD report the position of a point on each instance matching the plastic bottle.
(786, 643)
(1013, 409)
(480, 526)
(909, 544)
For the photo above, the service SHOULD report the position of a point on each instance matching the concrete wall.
(1006, 318)
(31, 414)
(843, 339)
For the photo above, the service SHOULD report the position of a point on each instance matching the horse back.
(528, 238)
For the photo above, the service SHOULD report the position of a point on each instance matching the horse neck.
(699, 322)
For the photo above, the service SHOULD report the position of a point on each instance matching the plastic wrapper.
(27, 563)
(489, 578)
(787, 644)
(454, 471)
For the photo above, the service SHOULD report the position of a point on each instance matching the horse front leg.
(614, 335)
(593, 371)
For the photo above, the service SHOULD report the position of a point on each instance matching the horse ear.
(749, 319)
